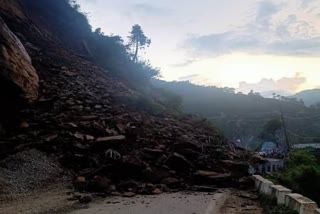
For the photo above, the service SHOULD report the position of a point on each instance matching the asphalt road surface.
(174, 203)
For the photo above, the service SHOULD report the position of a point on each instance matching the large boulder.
(19, 81)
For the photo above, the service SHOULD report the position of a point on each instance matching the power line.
(300, 135)
(302, 118)
(275, 113)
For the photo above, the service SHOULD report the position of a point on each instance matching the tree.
(138, 40)
(270, 129)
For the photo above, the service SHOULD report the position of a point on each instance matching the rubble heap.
(80, 116)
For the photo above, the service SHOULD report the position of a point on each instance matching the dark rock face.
(18, 78)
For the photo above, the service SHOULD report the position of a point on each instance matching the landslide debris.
(82, 118)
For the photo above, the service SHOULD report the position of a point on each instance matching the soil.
(242, 202)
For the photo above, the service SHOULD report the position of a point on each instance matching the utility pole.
(285, 129)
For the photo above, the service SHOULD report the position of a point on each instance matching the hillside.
(92, 119)
(310, 97)
(242, 116)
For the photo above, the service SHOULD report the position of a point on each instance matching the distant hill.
(310, 97)
(242, 116)
(269, 94)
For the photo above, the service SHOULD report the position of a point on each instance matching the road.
(175, 203)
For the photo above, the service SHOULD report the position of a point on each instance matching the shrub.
(270, 206)
(302, 174)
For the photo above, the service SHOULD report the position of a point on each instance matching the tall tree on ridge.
(138, 40)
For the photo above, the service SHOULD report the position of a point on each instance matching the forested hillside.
(244, 117)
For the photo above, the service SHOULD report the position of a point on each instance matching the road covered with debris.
(225, 201)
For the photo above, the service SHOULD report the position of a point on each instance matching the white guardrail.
(285, 196)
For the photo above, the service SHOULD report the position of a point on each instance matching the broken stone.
(128, 194)
(179, 163)
(157, 191)
(171, 182)
(24, 125)
(99, 183)
(70, 125)
(112, 138)
(79, 136)
(86, 199)
(89, 137)
(80, 183)
(212, 175)
(51, 137)
(83, 136)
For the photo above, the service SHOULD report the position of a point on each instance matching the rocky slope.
(80, 116)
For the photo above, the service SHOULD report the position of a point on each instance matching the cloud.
(149, 10)
(265, 11)
(185, 63)
(307, 3)
(188, 77)
(262, 35)
(286, 84)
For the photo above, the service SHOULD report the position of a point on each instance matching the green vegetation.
(270, 130)
(270, 206)
(72, 27)
(120, 59)
(246, 117)
(302, 174)
(138, 41)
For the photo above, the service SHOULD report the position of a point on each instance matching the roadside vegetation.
(302, 174)
(270, 206)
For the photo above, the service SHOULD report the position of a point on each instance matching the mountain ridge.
(310, 97)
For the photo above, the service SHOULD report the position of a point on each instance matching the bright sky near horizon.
(249, 44)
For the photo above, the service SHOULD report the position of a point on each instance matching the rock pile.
(111, 147)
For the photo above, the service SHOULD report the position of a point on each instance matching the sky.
(260, 45)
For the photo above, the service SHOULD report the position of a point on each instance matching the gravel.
(28, 171)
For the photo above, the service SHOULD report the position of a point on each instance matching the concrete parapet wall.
(285, 196)
(266, 187)
(258, 181)
(279, 192)
(300, 203)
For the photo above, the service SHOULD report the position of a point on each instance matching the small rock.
(51, 137)
(24, 125)
(80, 182)
(89, 137)
(171, 182)
(179, 163)
(79, 136)
(112, 138)
(99, 183)
(86, 199)
(128, 194)
(157, 191)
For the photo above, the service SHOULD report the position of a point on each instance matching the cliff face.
(81, 118)
(18, 78)
(16, 65)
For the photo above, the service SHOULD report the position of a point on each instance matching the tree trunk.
(135, 57)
